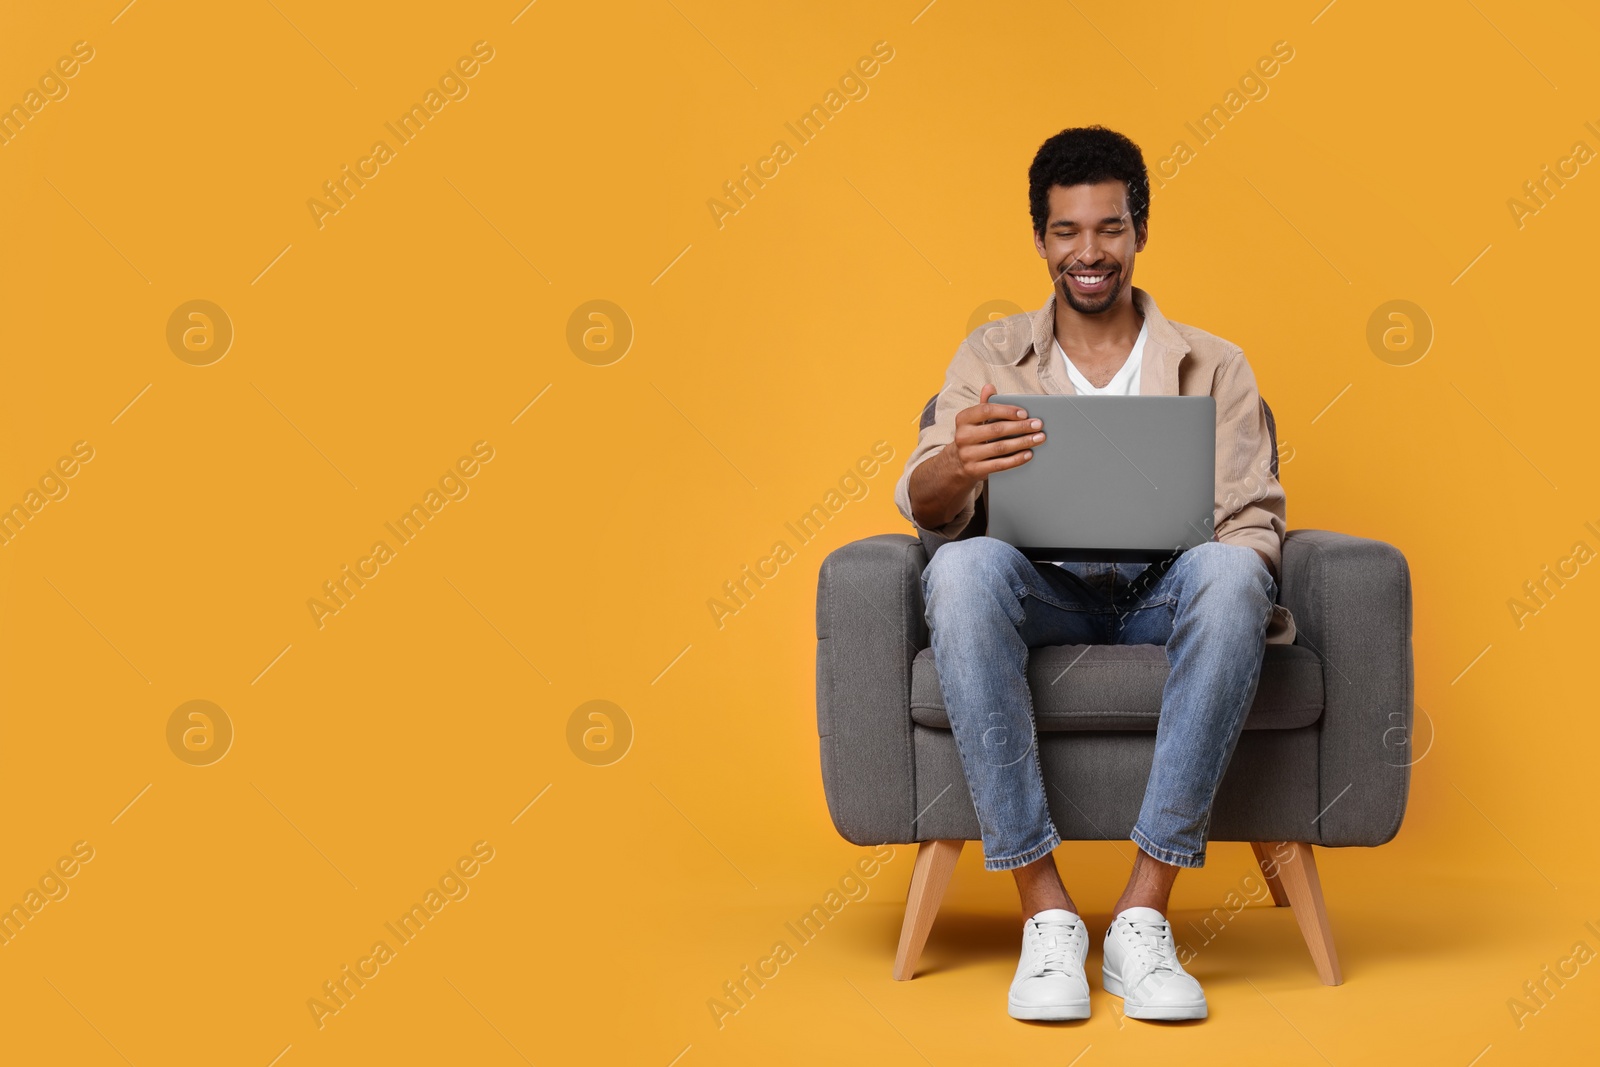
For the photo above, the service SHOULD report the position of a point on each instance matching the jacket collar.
(1164, 346)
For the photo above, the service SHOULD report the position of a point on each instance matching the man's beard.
(1093, 305)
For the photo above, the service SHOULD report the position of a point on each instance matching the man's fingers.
(977, 457)
(1001, 434)
(989, 466)
(1006, 445)
(982, 413)
(991, 431)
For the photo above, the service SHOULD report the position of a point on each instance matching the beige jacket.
(1017, 355)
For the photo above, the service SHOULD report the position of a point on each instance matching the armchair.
(1323, 760)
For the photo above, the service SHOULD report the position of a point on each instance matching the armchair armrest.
(870, 628)
(1351, 600)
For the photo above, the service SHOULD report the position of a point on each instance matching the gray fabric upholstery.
(869, 630)
(1351, 598)
(1118, 687)
(891, 773)
(1095, 783)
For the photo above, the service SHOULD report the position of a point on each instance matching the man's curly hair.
(1086, 155)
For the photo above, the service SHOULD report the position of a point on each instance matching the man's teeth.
(1090, 279)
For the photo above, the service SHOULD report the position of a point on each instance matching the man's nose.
(1088, 251)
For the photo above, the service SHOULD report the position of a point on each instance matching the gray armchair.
(1324, 758)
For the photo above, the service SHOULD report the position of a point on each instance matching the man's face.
(1089, 244)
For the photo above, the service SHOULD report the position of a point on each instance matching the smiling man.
(1214, 607)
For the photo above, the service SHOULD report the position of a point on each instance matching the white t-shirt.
(1124, 383)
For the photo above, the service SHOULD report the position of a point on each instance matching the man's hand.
(988, 438)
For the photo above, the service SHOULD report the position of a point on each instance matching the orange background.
(768, 355)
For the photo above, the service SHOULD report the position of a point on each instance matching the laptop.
(1118, 479)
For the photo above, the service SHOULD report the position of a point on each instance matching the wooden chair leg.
(1297, 871)
(936, 862)
(1269, 871)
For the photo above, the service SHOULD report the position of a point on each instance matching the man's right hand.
(993, 437)
(988, 438)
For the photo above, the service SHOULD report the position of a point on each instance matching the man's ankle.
(1156, 903)
(1040, 888)
(1149, 885)
(1032, 907)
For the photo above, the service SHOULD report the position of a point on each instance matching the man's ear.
(1141, 237)
(1038, 243)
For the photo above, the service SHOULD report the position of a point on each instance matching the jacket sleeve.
(957, 394)
(1252, 507)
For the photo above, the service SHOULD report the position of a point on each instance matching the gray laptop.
(1120, 479)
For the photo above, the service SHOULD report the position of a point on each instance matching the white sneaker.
(1050, 983)
(1141, 966)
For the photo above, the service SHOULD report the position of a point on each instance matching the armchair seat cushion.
(1118, 687)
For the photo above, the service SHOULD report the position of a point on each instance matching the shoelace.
(1056, 939)
(1152, 950)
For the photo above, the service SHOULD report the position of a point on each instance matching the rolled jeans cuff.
(1166, 855)
(1007, 863)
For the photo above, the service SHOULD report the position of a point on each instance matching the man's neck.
(1107, 335)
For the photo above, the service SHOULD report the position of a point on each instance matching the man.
(1213, 607)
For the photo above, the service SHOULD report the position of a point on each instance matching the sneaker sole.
(1050, 1013)
(1151, 1012)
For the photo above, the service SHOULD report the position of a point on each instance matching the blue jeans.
(987, 604)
